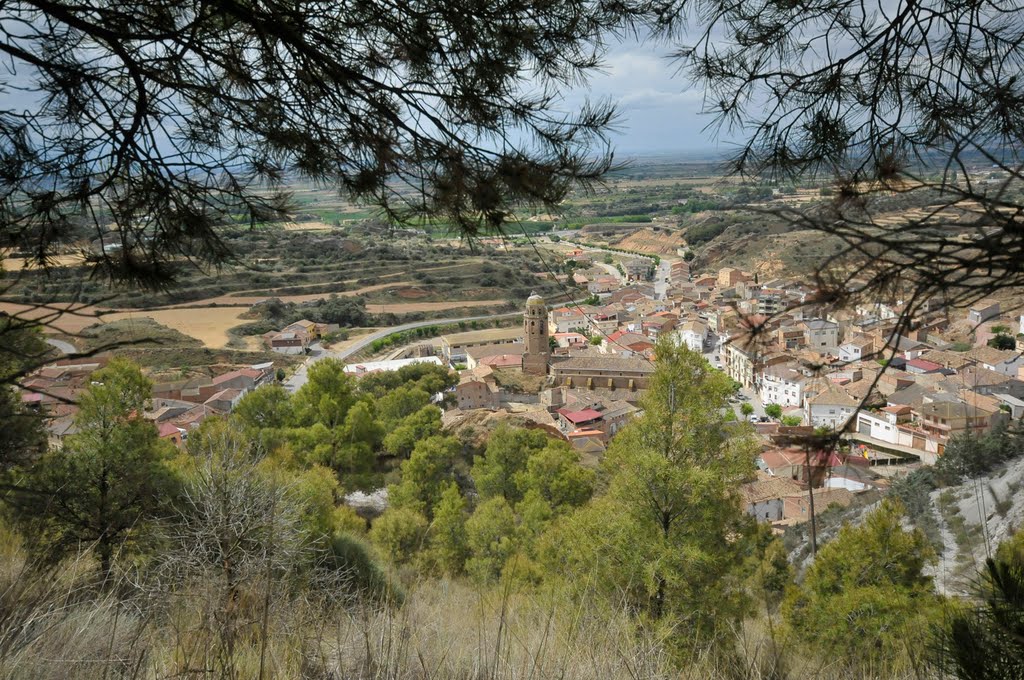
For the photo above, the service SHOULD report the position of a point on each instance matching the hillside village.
(579, 371)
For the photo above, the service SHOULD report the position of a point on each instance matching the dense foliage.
(245, 530)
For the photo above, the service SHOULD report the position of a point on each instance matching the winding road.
(299, 379)
(65, 347)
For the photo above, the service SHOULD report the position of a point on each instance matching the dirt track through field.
(209, 325)
(249, 300)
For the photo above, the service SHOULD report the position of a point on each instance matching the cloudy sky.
(659, 109)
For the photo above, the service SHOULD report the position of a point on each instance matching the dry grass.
(311, 225)
(14, 264)
(209, 325)
(59, 317)
(57, 625)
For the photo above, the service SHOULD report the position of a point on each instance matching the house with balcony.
(946, 419)
(783, 384)
(739, 364)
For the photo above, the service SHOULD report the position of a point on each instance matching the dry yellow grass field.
(59, 317)
(209, 325)
(307, 226)
(13, 264)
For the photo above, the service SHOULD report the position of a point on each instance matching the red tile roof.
(168, 430)
(924, 365)
(584, 416)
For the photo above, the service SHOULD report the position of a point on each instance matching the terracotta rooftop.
(577, 417)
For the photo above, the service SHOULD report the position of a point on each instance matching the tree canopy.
(866, 598)
(167, 119)
(109, 483)
(665, 536)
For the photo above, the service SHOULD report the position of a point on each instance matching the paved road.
(317, 353)
(661, 274)
(612, 271)
(65, 347)
(753, 400)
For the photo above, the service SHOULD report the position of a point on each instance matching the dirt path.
(408, 307)
(249, 300)
(241, 297)
(209, 325)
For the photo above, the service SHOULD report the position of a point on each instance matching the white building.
(831, 408)
(982, 311)
(855, 350)
(882, 427)
(391, 365)
(782, 384)
(693, 334)
(1005, 362)
(568, 319)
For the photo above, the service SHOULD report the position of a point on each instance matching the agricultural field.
(356, 278)
(338, 263)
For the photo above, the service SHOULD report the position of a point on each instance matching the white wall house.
(982, 311)
(831, 408)
(783, 385)
(1009, 364)
(850, 351)
(883, 427)
(693, 334)
(845, 483)
(566, 320)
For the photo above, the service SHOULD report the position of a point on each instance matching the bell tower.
(535, 335)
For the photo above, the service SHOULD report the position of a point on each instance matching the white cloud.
(659, 108)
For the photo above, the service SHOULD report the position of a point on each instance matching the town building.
(982, 311)
(946, 419)
(500, 355)
(475, 391)
(739, 365)
(782, 384)
(604, 373)
(454, 345)
(831, 408)
(694, 334)
(821, 335)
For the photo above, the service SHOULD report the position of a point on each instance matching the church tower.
(535, 335)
